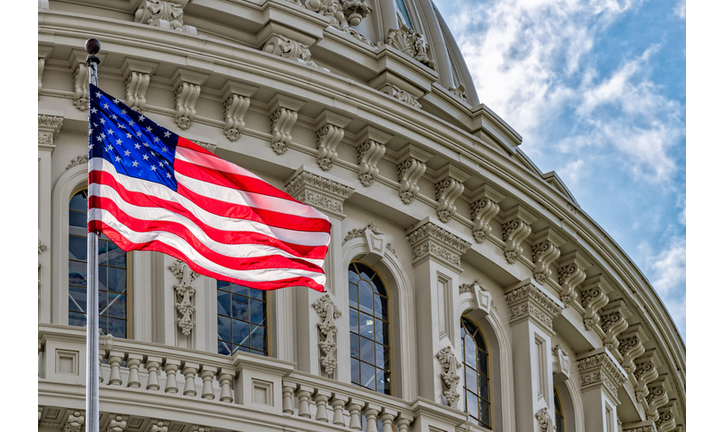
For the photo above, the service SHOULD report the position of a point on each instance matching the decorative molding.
(156, 425)
(516, 228)
(571, 273)
(643, 426)
(115, 423)
(631, 346)
(598, 369)
(50, 124)
(207, 146)
(324, 194)
(448, 188)
(184, 295)
(449, 376)
(330, 132)
(283, 116)
(561, 362)
(411, 43)
(410, 168)
(546, 244)
(370, 149)
(327, 312)
(593, 297)
(544, 420)
(187, 87)
(341, 13)
(613, 322)
(73, 420)
(460, 93)
(666, 421)
(471, 287)
(237, 98)
(527, 301)
(284, 47)
(429, 240)
(657, 397)
(137, 77)
(80, 86)
(78, 160)
(400, 94)
(482, 299)
(483, 208)
(164, 14)
(645, 373)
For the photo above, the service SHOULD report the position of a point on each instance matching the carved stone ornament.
(411, 43)
(657, 398)
(527, 301)
(327, 312)
(545, 251)
(600, 369)
(73, 421)
(593, 299)
(184, 295)
(48, 130)
(666, 421)
(631, 346)
(515, 230)
(449, 375)
(369, 154)
(207, 146)
(613, 322)
(570, 275)
(137, 77)
(482, 211)
(284, 47)
(482, 299)
(80, 86)
(187, 88)
(471, 287)
(645, 426)
(408, 173)
(447, 191)
(164, 14)
(561, 361)
(328, 137)
(544, 420)
(460, 92)
(156, 425)
(429, 240)
(341, 13)
(317, 191)
(42, 247)
(78, 160)
(115, 423)
(400, 94)
(235, 107)
(645, 373)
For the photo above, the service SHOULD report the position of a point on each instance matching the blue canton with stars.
(135, 145)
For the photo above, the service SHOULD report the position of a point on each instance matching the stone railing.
(270, 390)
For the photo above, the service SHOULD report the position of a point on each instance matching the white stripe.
(305, 238)
(212, 161)
(245, 198)
(178, 243)
(238, 250)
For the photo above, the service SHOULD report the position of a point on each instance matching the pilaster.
(532, 310)
(437, 264)
(601, 376)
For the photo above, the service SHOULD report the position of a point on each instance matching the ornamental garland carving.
(482, 212)
(327, 312)
(411, 43)
(164, 14)
(544, 420)
(401, 95)
(449, 376)
(341, 14)
(184, 295)
(287, 48)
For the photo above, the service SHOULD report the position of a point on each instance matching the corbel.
(561, 363)
(667, 420)
(571, 273)
(283, 116)
(43, 55)
(483, 209)
(516, 228)
(236, 98)
(646, 371)
(593, 297)
(73, 420)
(614, 318)
(78, 65)
(658, 397)
(448, 188)
(410, 168)
(137, 76)
(631, 346)
(115, 423)
(164, 14)
(546, 245)
(156, 425)
(329, 128)
(370, 149)
(187, 87)
(282, 46)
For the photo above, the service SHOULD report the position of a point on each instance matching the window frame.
(267, 318)
(479, 331)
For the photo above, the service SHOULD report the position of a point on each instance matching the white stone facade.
(378, 125)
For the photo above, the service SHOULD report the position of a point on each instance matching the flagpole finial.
(92, 46)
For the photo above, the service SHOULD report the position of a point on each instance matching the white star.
(168, 175)
(164, 149)
(119, 141)
(98, 94)
(103, 121)
(99, 138)
(94, 110)
(103, 135)
(114, 117)
(137, 146)
(110, 132)
(127, 152)
(123, 112)
(149, 128)
(135, 164)
(118, 158)
(121, 126)
(90, 146)
(115, 100)
(139, 133)
(166, 134)
(130, 123)
(156, 139)
(142, 118)
(105, 105)
(153, 167)
(145, 157)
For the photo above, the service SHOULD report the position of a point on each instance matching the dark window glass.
(241, 319)
(560, 416)
(369, 329)
(112, 274)
(476, 375)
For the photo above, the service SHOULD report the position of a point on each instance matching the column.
(532, 310)
(601, 376)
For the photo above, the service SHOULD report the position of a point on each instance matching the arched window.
(560, 414)
(112, 274)
(241, 319)
(402, 11)
(369, 329)
(476, 373)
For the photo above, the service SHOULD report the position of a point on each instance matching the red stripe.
(221, 236)
(126, 245)
(234, 263)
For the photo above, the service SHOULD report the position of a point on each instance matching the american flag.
(150, 189)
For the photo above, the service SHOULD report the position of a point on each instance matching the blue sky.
(597, 89)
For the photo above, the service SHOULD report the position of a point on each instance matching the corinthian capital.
(321, 193)
(527, 301)
(431, 241)
(598, 369)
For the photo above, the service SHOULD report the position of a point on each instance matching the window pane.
(355, 371)
(78, 248)
(241, 290)
(353, 321)
(472, 404)
(117, 305)
(367, 350)
(365, 297)
(240, 307)
(367, 376)
(257, 311)
(77, 272)
(223, 303)
(247, 329)
(366, 326)
(471, 379)
(380, 356)
(354, 346)
(116, 279)
(224, 328)
(240, 332)
(485, 413)
(470, 357)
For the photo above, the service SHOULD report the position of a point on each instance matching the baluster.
(133, 362)
(304, 394)
(321, 397)
(338, 404)
(403, 422)
(225, 377)
(171, 367)
(387, 416)
(152, 365)
(189, 371)
(354, 407)
(207, 375)
(114, 360)
(287, 394)
(371, 412)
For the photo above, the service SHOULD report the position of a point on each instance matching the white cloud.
(668, 276)
(680, 9)
(572, 172)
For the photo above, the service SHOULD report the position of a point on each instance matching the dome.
(466, 289)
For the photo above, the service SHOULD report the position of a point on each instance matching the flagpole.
(92, 414)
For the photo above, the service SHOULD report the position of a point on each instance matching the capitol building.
(467, 291)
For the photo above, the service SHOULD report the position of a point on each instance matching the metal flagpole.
(92, 414)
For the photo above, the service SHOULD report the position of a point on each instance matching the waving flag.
(150, 189)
